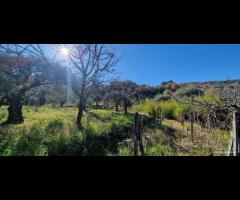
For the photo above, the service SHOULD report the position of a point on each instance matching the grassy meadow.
(51, 131)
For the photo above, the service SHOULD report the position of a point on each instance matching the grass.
(205, 142)
(51, 131)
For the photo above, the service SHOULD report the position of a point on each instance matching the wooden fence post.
(161, 117)
(136, 124)
(235, 133)
(191, 119)
(230, 146)
(191, 129)
(181, 121)
(238, 132)
(140, 132)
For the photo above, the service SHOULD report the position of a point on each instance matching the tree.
(114, 93)
(129, 90)
(25, 67)
(58, 94)
(98, 94)
(122, 91)
(92, 62)
(42, 97)
(145, 91)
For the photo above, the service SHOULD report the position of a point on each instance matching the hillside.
(211, 84)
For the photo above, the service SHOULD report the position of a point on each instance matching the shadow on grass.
(89, 143)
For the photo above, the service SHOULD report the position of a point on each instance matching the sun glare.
(65, 51)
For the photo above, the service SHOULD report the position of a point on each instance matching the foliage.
(188, 91)
(161, 97)
(160, 150)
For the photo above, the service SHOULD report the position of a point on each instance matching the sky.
(152, 64)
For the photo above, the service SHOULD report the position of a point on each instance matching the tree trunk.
(15, 115)
(79, 118)
(116, 107)
(125, 108)
(81, 109)
(82, 102)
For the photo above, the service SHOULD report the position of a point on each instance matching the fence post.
(181, 121)
(191, 121)
(235, 133)
(136, 134)
(155, 115)
(230, 146)
(238, 132)
(162, 115)
(192, 118)
(140, 131)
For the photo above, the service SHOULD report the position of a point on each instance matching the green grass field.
(51, 131)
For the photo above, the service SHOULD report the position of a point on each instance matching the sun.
(65, 51)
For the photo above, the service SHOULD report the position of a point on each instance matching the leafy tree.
(113, 93)
(25, 67)
(145, 91)
(122, 91)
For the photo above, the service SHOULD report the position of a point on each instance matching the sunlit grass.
(52, 131)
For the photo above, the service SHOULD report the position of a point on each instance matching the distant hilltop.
(211, 83)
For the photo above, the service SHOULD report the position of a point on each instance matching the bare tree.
(92, 62)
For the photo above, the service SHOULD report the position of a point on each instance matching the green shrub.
(167, 93)
(32, 143)
(160, 97)
(160, 150)
(172, 109)
(188, 91)
(168, 108)
(55, 126)
(149, 106)
(66, 146)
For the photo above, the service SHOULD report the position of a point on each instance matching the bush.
(31, 145)
(160, 97)
(149, 106)
(160, 150)
(172, 109)
(55, 126)
(167, 93)
(66, 146)
(188, 91)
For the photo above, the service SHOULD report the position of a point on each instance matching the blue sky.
(153, 63)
